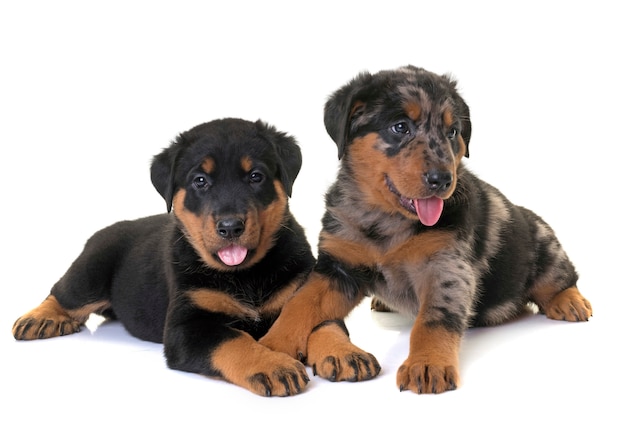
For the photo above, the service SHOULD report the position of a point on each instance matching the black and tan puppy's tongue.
(429, 210)
(233, 255)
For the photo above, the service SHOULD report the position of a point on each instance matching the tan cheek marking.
(217, 301)
(408, 170)
(196, 229)
(269, 221)
(370, 166)
(208, 165)
(413, 110)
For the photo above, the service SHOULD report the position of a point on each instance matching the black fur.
(147, 272)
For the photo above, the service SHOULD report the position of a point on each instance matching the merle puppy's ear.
(162, 171)
(463, 112)
(466, 123)
(288, 153)
(341, 108)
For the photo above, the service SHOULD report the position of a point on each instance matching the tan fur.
(49, 319)
(312, 304)
(267, 222)
(218, 301)
(245, 362)
(261, 225)
(332, 339)
(433, 362)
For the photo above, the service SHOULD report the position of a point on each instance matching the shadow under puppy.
(407, 223)
(209, 279)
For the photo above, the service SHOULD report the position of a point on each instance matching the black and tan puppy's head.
(403, 134)
(227, 182)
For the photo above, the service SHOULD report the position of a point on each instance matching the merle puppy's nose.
(438, 180)
(231, 227)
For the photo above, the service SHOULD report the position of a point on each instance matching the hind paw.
(47, 320)
(569, 305)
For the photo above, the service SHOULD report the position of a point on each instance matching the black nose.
(230, 227)
(438, 181)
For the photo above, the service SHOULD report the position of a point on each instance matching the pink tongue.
(232, 255)
(429, 210)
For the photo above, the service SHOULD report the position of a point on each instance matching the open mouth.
(428, 210)
(233, 254)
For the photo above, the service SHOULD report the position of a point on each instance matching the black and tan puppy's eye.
(201, 182)
(256, 177)
(452, 133)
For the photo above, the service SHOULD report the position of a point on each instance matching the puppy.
(405, 222)
(209, 279)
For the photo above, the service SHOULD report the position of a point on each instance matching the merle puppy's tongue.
(232, 255)
(429, 210)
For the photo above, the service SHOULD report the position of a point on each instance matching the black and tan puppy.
(209, 279)
(408, 224)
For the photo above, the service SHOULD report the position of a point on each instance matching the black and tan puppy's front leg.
(246, 363)
(205, 346)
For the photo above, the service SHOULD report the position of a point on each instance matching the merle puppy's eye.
(256, 177)
(401, 128)
(452, 133)
(200, 182)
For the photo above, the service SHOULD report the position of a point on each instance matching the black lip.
(405, 202)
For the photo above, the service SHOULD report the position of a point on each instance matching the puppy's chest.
(409, 259)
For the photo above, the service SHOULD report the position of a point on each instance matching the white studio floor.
(90, 92)
(533, 370)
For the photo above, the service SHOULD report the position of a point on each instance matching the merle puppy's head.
(227, 182)
(402, 133)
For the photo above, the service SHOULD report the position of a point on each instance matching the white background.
(90, 91)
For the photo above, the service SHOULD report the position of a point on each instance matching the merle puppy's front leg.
(445, 292)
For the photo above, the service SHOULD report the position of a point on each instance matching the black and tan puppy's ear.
(288, 152)
(162, 171)
(342, 107)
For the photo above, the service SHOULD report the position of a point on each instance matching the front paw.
(425, 376)
(246, 363)
(333, 357)
(292, 344)
(348, 364)
(280, 376)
